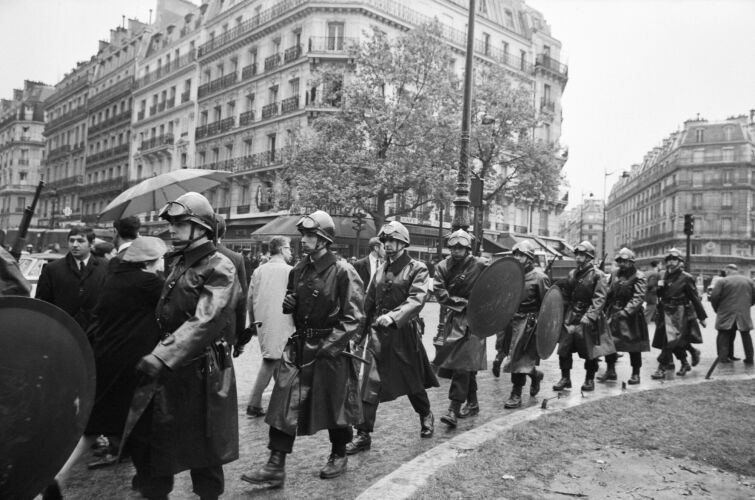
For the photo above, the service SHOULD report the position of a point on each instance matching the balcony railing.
(243, 209)
(547, 105)
(333, 45)
(171, 102)
(140, 115)
(216, 85)
(269, 110)
(224, 165)
(114, 184)
(520, 229)
(155, 142)
(214, 128)
(161, 106)
(108, 153)
(65, 182)
(546, 61)
(58, 152)
(185, 96)
(224, 210)
(246, 118)
(75, 114)
(292, 53)
(166, 70)
(249, 71)
(290, 104)
(152, 110)
(272, 62)
(113, 120)
(543, 232)
(23, 161)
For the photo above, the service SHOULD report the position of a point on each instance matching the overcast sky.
(637, 68)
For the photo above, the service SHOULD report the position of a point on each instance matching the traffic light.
(358, 223)
(689, 224)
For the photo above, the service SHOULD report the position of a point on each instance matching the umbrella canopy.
(285, 225)
(153, 193)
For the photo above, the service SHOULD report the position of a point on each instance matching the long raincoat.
(679, 310)
(627, 293)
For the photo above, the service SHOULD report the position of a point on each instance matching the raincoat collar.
(397, 265)
(193, 255)
(324, 262)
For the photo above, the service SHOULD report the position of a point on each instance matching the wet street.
(396, 438)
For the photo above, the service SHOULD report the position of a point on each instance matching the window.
(699, 135)
(505, 52)
(335, 36)
(697, 201)
(486, 43)
(728, 132)
(271, 147)
(726, 199)
(698, 156)
(725, 248)
(728, 154)
(546, 51)
(727, 176)
(522, 60)
(509, 19)
(697, 178)
(482, 8)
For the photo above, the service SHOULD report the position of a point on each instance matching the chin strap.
(182, 245)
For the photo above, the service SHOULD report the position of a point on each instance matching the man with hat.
(400, 366)
(459, 354)
(317, 385)
(193, 424)
(367, 266)
(584, 330)
(677, 317)
(626, 318)
(516, 343)
(732, 298)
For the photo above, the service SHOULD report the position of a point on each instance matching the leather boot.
(427, 425)
(659, 374)
(684, 369)
(537, 377)
(469, 410)
(497, 366)
(453, 413)
(589, 385)
(273, 473)
(610, 374)
(564, 383)
(515, 399)
(361, 442)
(635, 378)
(695, 356)
(335, 466)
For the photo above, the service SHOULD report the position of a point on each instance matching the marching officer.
(459, 354)
(193, 421)
(584, 330)
(400, 366)
(626, 318)
(317, 385)
(517, 342)
(678, 314)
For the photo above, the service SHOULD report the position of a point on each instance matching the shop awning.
(285, 225)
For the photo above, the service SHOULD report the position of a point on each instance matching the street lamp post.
(624, 175)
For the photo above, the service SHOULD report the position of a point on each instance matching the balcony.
(547, 105)
(290, 104)
(272, 62)
(258, 161)
(269, 110)
(216, 85)
(292, 54)
(58, 152)
(78, 113)
(166, 70)
(246, 118)
(158, 142)
(544, 61)
(153, 110)
(224, 211)
(110, 122)
(543, 232)
(333, 45)
(170, 103)
(249, 71)
(66, 182)
(214, 128)
(521, 229)
(106, 154)
(161, 107)
(185, 96)
(243, 209)
(224, 165)
(23, 161)
(103, 187)
(140, 115)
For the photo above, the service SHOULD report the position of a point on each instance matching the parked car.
(31, 266)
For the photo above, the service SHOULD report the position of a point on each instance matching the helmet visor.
(175, 209)
(387, 233)
(307, 223)
(460, 241)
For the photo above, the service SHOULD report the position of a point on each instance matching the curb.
(413, 475)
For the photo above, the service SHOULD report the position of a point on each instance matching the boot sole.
(269, 484)
(448, 422)
(332, 476)
(511, 407)
(354, 451)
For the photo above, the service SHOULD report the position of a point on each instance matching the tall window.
(486, 43)
(335, 36)
(726, 198)
(697, 201)
(699, 135)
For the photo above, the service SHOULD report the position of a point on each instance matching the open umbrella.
(153, 193)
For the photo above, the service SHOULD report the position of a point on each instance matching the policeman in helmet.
(192, 364)
(317, 383)
(516, 341)
(678, 313)
(395, 297)
(584, 329)
(626, 316)
(459, 354)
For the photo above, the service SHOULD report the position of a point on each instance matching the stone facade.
(584, 223)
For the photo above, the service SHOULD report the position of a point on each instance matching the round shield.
(549, 322)
(47, 384)
(495, 297)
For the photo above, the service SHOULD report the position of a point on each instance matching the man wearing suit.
(126, 231)
(732, 298)
(367, 266)
(73, 283)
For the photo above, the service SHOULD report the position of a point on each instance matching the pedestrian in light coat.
(732, 298)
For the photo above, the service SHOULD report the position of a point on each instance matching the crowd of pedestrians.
(336, 339)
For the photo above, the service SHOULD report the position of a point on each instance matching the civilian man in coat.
(74, 282)
(192, 422)
(266, 293)
(460, 354)
(317, 386)
(243, 335)
(626, 319)
(367, 266)
(584, 330)
(12, 281)
(400, 366)
(518, 344)
(679, 311)
(732, 298)
(126, 231)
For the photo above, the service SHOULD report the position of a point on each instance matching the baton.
(712, 367)
(354, 356)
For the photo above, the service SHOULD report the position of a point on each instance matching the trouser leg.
(459, 389)
(280, 441)
(518, 380)
(635, 360)
(565, 362)
(369, 414)
(339, 438)
(731, 341)
(612, 358)
(723, 344)
(747, 344)
(591, 367)
(420, 402)
(666, 356)
(681, 354)
(208, 482)
(472, 388)
(261, 382)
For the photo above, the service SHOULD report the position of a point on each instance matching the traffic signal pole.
(689, 229)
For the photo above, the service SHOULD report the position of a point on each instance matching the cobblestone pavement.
(396, 438)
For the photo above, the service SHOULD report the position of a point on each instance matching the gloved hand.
(150, 365)
(289, 304)
(385, 321)
(238, 350)
(585, 321)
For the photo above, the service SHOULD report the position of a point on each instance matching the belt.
(309, 334)
(675, 303)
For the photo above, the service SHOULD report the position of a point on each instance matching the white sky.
(637, 68)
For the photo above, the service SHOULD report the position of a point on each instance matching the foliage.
(394, 133)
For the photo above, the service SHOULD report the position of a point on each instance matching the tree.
(393, 135)
(509, 160)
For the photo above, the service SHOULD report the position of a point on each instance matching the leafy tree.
(395, 131)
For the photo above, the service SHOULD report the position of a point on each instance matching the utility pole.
(689, 230)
